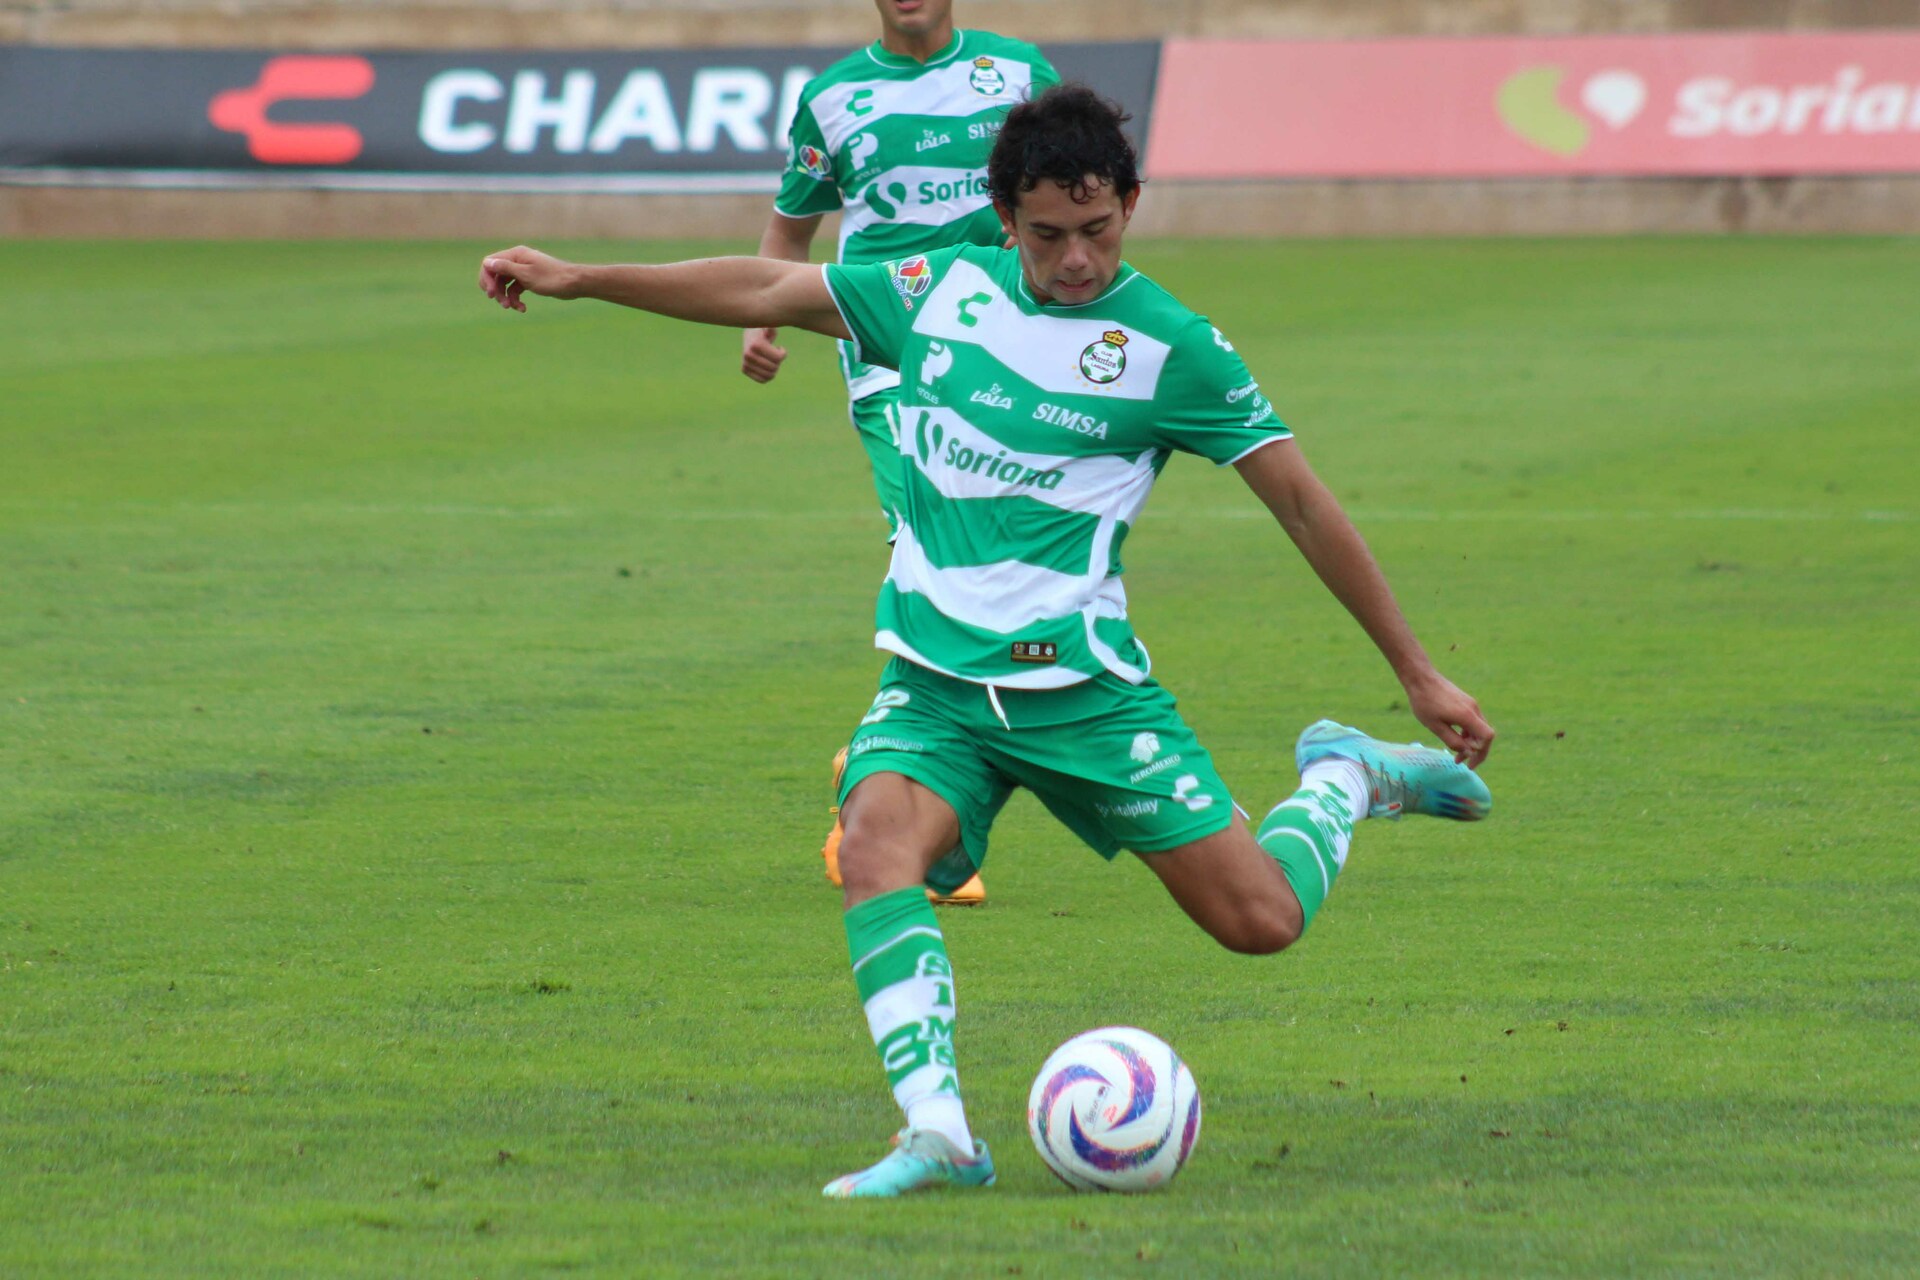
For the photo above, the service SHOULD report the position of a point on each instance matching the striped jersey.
(1031, 436)
(900, 147)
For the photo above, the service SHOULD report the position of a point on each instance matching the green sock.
(1308, 834)
(906, 983)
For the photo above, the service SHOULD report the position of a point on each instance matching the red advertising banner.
(1444, 108)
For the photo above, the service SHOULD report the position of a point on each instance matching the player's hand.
(1445, 708)
(759, 357)
(504, 276)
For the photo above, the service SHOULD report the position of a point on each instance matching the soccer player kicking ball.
(896, 136)
(1049, 384)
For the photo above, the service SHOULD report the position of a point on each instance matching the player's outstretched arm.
(740, 293)
(790, 239)
(1312, 517)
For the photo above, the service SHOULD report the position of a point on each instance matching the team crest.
(814, 162)
(986, 78)
(1104, 361)
(911, 278)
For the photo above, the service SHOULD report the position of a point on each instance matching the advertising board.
(1801, 103)
(546, 121)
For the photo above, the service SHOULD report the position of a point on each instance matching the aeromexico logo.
(936, 447)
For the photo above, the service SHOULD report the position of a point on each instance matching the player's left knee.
(1263, 935)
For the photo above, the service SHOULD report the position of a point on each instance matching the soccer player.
(896, 137)
(1050, 383)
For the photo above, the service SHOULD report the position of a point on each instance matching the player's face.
(1070, 249)
(912, 18)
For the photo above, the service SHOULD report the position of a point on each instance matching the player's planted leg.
(896, 829)
(970, 894)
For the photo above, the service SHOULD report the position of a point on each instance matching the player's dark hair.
(1069, 135)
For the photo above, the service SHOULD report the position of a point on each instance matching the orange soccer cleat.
(830, 851)
(970, 894)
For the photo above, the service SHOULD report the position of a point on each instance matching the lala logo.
(992, 398)
(1104, 361)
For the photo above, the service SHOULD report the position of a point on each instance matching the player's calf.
(1229, 886)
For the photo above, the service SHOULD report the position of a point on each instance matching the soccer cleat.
(1401, 777)
(970, 894)
(830, 851)
(920, 1158)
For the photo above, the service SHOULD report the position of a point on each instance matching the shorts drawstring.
(993, 697)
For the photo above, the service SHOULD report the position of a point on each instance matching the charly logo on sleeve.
(911, 278)
(1104, 361)
(986, 78)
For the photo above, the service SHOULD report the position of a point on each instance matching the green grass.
(414, 723)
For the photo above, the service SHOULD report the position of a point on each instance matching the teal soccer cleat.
(1401, 777)
(920, 1158)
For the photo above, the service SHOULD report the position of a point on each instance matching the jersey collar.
(896, 62)
(1033, 306)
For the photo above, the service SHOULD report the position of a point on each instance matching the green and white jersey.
(1031, 436)
(900, 147)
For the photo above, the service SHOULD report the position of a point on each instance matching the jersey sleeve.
(878, 300)
(807, 186)
(1209, 403)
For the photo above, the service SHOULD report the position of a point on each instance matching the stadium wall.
(1885, 203)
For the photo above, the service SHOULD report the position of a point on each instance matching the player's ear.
(1126, 205)
(1006, 217)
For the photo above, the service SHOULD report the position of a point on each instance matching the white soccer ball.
(1114, 1110)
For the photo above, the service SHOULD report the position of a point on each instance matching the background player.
(1022, 669)
(895, 136)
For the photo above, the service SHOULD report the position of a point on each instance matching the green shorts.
(876, 420)
(1113, 761)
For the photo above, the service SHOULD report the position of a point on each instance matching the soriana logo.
(1687, 104)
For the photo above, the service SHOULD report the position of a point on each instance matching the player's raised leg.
(895, 831)
(1257, 892)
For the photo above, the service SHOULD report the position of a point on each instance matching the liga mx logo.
(814, 162)
(912, 278)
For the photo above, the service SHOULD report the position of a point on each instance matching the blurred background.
(491, 118)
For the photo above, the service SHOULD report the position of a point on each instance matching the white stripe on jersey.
(1036, 678)
(967, 306)
(966, 194)
(1004, 596)
(968, 463)
(943, 91)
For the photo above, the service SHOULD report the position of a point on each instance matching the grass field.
(414, 723)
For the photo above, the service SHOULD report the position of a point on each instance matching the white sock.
(1346, 775)
(943, 1114)
(906, 986)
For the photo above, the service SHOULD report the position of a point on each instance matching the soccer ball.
(1114, 1110)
